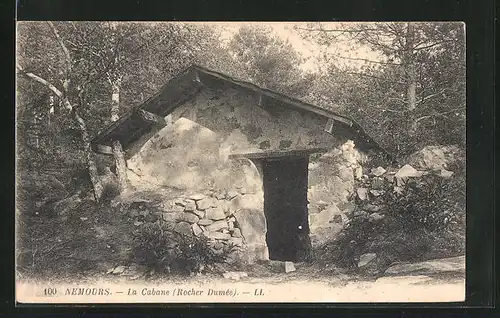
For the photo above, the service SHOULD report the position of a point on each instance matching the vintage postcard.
(172, 162)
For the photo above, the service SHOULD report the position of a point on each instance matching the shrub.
(158, 247)
(426, 220)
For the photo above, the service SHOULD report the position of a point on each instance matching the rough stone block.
(289, 267)
(362, 193)
(179, 201)
(188, 217)
(236, 232)
(170, 217)
(205, 222)
(231, 194)
(196, 229)
(200, 214)
(190, 206)
(236, 241)
(217, 225)
(183, 228)
(217, 235)
(196, 196)
(215, 213)
(252, 225)
(206, 203)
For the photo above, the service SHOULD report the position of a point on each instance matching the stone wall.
(191, 155)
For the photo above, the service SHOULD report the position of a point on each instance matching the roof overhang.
(133, 127)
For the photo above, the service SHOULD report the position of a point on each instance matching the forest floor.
(89, 245)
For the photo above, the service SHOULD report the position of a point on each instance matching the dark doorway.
(285, 208)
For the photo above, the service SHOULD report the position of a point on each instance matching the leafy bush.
(426, 220)
(158, 247)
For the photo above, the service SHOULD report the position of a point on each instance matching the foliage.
(269, 61)
(426, 220)
(158, 247)
(374, 90)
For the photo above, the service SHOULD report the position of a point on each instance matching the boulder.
(445, 173)
(406, 172)
(362, 193)
(234, 275)
(375, 217)
(289, 267)
(431, 267)
(217, 225)
(281, 266)
(378, 171)
(215, 213)
(434, 157)
(365, 259)
(183, 228)
(377, 193)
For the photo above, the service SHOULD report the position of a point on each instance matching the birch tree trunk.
(409, 64)
(92, 166)
(121, 165)
(115, 99)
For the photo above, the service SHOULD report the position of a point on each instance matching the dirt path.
(443, 284)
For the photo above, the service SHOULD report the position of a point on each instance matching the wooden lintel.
(277, 154)
(150, 117)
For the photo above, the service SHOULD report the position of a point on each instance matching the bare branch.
(376, 77)
(431, 45)
(424, 99)
(40, 80)
(366, 60)
(49, 85)
(61, 43)
(336, 30)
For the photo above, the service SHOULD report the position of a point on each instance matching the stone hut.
(256, 168)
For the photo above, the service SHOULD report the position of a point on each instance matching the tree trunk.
(409, 64)
(121, 165)
(115, 99)
(92, 166)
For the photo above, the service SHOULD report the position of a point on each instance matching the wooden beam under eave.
(103, 149)
(150, 117)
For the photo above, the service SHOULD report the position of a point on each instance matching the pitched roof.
(131, 127)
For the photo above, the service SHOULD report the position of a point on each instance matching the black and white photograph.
(240, 162)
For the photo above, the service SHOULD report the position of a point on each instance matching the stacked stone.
(332, 184)
(199, 215)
